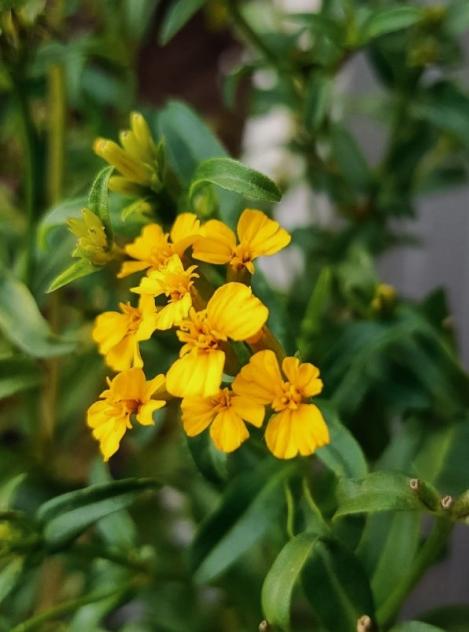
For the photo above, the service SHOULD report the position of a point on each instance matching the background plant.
(333, 542)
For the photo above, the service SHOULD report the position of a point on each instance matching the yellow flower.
(118, 334)
(153, 247)
(258, 235)
(175, 283)
(128, 394)
(296, 427)
(136, 160)
(232, 312)
(225, 413)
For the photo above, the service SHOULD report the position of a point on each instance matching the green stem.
(35, 623)
(290, 511)
(28, 138)
(313, 506)
(425, 557)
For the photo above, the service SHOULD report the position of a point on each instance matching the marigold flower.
(175, 283)
(129, 393)
(153, 247)
(118, 334)
(232, 312)
(225, 413)
(258, 235)
(92, 241)
(296, 427)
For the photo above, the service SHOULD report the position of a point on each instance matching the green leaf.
(18, 373)
(22, 323)
(336, 586)
(389, 20)
(450, 618)
(445, 105)
(233, 176)
(178, 14)
(10, 575)
(65, 517)
(417, 626)
(76, 270)
(317, 101)
(457, 17)
(343, 455)
(58, 216)
(379, 491)
(188, 140)
(250, 507)
(314, 310)
(277, 590)
(98, 199)
(350, 159)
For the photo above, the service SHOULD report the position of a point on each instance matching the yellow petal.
(156, 385)
(215, 244)
(248, 410)
(228, 431)
(148, 325)
(197, 414)
(145, 412)
(129, 384)
(263, 235)
(304, 376)
(235, 312)
(109, 329)
(129, 267)
(174, 312)
(184, 231)
(196, 374)
(150, 239)
(108, 428)
(260, 380)
(121, 356)
(299, 431)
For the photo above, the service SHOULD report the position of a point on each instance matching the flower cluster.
(216, 393)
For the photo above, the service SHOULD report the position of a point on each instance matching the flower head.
(232, 313)
(225, 413)
(118, 334)
(173, 282)
(295, 427)
(129, 393)
(92, 241)
(136, 158)
(258, 235)
(153, 248)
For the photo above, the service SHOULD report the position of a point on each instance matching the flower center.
(222, 401)
(178, 284)
(290, 398)
(134, 317)
(197, 334)
(160, 254)
(240, 256)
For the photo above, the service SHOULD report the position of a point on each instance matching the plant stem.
(425, 557)
(290, 511)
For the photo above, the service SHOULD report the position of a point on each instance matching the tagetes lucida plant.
(169, 299)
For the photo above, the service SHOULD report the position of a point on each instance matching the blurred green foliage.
(176, 536)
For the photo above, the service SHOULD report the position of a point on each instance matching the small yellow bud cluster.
(92, 242)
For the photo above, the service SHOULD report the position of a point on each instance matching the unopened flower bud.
(426, 494)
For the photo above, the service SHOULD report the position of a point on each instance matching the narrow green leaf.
(336, 586)
(315, 309)
(178, 14)
(379, 491)
(452, 618)
(10, 575)
(65, 517)
(280, 581)
(389, 20)
(250, 507)
(77, 270)
(18, 373)
(350, 159)
(98, 199)
(233, 176)
(343, 455)
(317, 101)
(23, 324)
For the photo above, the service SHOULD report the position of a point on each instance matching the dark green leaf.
(65, 517)
(343, 455)
(449, 618)
(336, 586)
(445, 105)
(280, 581)
(18, 373)
(317, 100)
(388, 20)
(350, 158)
(417, 626)
(250, 508)
(98, 199)
(233, 176)
(315, 309)
(178, 14)
(22, 323)
(76, 270)
(10, 575)
(379, 491)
